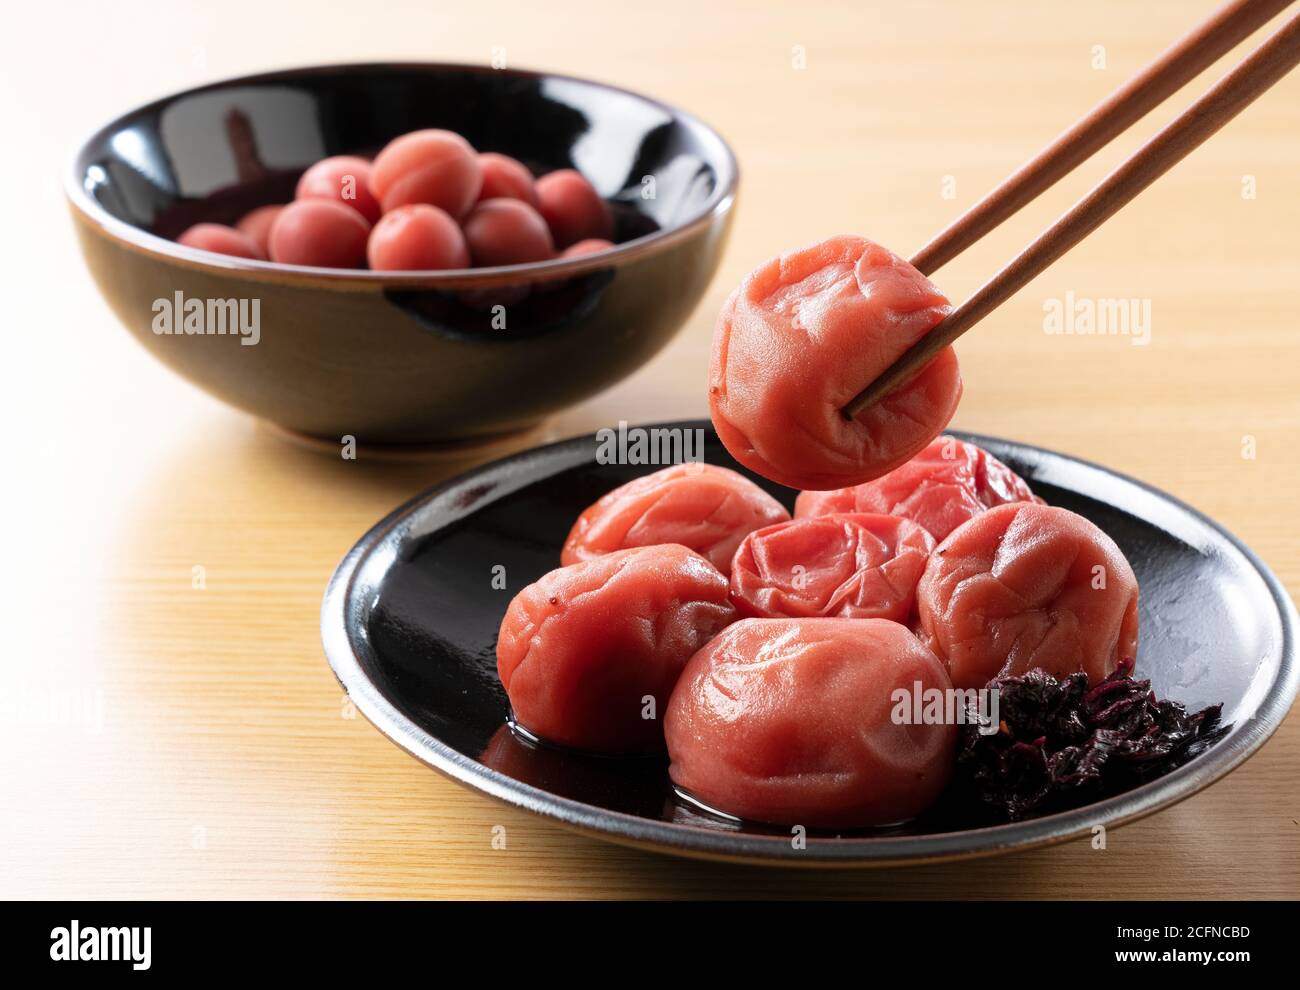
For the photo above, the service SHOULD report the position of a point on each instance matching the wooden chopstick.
(1198, 50)
(1233, 93)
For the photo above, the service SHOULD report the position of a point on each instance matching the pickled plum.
(418, 237)
(506, 178)
(592, 245)
(1026, 585)
(789, 721)
(706, 508)
(946, 484)
(257, 225)
(319, 232)
(582, 650)
(491, 199)
(343, 178)
(507, 232)
(852, 566)
(220, 239)
(573, 209)
(431, 166)
(800, 337)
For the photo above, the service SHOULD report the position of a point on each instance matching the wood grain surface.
(159, 740)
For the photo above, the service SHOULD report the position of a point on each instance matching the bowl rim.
(87, 210)
(343, 650)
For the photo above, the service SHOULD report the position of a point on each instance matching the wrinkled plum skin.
(803, 334)
(1026, 585)
(706, 508)
(940, 488)
(851, 566)
(788, 721)
(581, 649)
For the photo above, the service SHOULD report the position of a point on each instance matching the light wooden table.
(164, 741)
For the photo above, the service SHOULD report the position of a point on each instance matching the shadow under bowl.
(399, 357)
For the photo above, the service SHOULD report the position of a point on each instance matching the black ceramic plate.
(410, 621)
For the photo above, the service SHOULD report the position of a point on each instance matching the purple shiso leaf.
(1062, 744)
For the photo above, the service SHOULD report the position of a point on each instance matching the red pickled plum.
(581, 649)
(1027, 585)
(573, 209)
(220, 239)
(256, 224)
(319, 232)
(802, 335)
(790, 721)
(852, 566)
(507, 232)
(343, 178)
(432, 166)
(943, 486)
(506, 178)
(592, 245)
(706, 508)
(417, 237)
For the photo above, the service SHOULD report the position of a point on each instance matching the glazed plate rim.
(344, 614)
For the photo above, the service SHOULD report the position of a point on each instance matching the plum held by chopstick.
(796, 341)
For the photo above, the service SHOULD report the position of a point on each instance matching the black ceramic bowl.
(401, 358)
